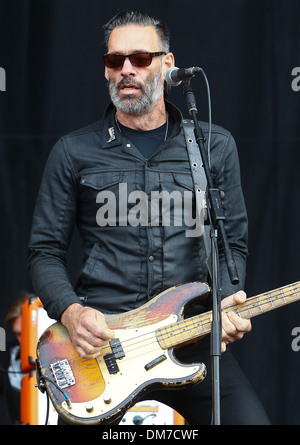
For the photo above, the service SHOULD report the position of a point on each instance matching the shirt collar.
(112, 136)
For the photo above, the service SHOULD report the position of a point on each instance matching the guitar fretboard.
(200, 325)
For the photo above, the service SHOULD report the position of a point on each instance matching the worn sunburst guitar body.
(140, 357)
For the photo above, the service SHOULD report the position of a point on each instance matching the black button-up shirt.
(97, 179)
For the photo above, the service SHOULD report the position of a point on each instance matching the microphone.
(174, 76)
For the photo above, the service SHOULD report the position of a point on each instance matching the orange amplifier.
(34, 322)
(29, 400)
(35, 409)
(29, 333)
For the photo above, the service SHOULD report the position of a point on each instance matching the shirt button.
(151, 293)
(151, 258)
(128, 145)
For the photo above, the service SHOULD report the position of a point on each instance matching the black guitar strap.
(200, 184)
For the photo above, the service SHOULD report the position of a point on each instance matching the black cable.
(68, 400)
(47, 409)
(209, 114)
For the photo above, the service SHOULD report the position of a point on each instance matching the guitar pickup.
(116, 348)
(155, 362)
(111, 363)
(116, 353)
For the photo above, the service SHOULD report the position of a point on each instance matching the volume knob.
(89, 407)
(107, 399)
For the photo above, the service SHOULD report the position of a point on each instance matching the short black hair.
(138, 17)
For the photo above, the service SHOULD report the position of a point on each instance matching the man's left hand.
(233, 326)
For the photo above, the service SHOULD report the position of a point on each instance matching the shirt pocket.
(184, 180)
(179, 197)
(100, 180)
(98, 189)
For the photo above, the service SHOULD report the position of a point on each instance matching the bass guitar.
(141, 356)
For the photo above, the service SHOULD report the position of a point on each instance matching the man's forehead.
(133, 38)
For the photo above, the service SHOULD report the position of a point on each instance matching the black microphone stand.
(216, 221)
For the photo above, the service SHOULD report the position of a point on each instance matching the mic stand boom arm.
(217, 218)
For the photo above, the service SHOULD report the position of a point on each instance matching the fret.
(237, 311)
(161, 338)
(184, 330)
(188, 330)
(270, 300)
(259, 305)
(296, 291)
(250, 312)
(200, 327)
(290, 292)
(194, 328)
(284, 299)
(296, 287)
(174, 338)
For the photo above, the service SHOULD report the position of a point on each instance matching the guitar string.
(245, 307)
(203, 322)
(202, 317)
(207, 319)
(101, 366)
(187, 322)
(107, 348)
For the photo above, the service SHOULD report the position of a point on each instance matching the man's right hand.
(87, 329)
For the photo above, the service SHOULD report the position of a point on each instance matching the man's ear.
(168, 62)
(106, 74)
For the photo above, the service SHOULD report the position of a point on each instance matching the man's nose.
(127, 69)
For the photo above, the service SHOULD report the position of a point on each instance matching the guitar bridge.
(63, 373)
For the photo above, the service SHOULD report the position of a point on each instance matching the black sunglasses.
(139, 60)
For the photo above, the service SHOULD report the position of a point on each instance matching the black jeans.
(239, 403)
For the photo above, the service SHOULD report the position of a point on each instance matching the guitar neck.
(200, 325)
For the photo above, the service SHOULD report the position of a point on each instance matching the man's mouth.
(129, 88)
